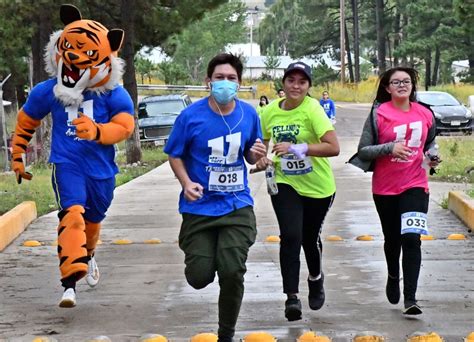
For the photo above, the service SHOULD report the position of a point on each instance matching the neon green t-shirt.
(305, 124)
(260, 109)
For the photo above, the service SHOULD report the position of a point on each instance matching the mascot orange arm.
(25, 128)
(119, 128)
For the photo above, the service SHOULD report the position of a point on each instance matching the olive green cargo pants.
(219, 243)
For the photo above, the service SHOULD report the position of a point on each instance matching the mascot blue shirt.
(95, 159)
(212, 148)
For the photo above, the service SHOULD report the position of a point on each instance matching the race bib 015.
(290, 165)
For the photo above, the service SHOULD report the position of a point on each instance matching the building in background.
(458, 69)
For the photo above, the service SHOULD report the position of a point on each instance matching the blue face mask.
(224, 91)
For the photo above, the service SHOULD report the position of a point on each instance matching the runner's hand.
(261, 165)
(193, 191)
(281, 148)
(401, 151)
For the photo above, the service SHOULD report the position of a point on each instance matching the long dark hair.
(384, 81)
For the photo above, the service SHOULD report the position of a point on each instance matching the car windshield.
(438, 99)
(163, 108)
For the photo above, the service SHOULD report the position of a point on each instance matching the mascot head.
(83, 56)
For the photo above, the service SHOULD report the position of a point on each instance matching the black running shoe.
(412, 308)
(225, 339)
(392, 290)
(316, 295)
(293, 309)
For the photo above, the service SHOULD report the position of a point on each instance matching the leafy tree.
(271, 61)
(323, 74)
(278, 83)
(14, 44)
(431, 28)
(173, 73)
(144, 68)
(280, 25)
(202, 40)
(146, 23)
(464, 11)
(268, 3)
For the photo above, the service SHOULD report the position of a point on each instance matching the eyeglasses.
(398, 83)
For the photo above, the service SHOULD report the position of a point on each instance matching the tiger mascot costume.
(90, 113)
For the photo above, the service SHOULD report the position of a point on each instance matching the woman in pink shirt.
(394, 140)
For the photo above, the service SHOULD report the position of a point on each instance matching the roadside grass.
(457, 160)
(364, 92)
(470, 193)
(39, 189)
(152, 157)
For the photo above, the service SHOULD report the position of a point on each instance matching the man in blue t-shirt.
(207, 149)
(328, 106)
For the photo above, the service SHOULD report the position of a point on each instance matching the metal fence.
(252, 89)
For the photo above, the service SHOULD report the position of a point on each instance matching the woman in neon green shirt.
(303, 138)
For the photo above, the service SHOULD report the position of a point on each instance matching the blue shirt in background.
(329, 107)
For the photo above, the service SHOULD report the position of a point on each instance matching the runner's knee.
(411, 241)
(200, 271)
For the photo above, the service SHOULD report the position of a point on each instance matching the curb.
(14, 222)
(463, 207)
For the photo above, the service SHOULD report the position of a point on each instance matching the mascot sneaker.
(93, 274)
(69, 299)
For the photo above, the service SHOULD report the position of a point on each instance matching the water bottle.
(272, 186)
(433, 155)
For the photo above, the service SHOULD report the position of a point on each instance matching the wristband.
(299, 150)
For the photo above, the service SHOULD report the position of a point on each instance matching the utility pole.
(3, 128)
(343, 43)
(355, 13)
(251, 23)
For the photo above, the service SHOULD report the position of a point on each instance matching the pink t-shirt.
(393, 176)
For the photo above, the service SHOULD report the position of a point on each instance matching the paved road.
(143, 289)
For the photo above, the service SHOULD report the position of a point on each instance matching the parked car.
(157, 114)
(451, 115)
(470, 103)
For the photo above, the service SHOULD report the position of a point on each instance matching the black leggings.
(390, 208)
(300, 219)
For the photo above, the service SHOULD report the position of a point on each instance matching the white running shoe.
(93, 274)
(69, 299)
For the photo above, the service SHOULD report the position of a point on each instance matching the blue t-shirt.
(212, 148)
(329, 108)
(96, 160)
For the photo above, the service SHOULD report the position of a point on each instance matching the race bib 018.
(226, 178)
(415, 222)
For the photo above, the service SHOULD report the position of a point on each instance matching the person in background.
(303, 139)
(328, 106)
(263, 102)
(207, 150)
(396, 136)
(281, 93)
